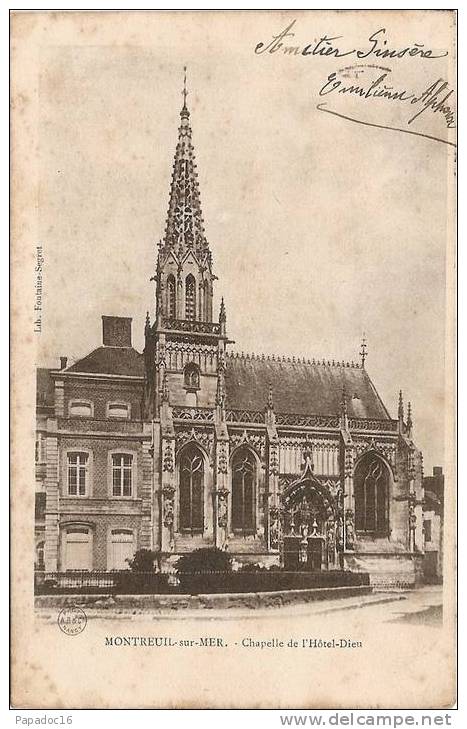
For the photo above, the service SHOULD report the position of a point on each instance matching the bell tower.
(184, 346)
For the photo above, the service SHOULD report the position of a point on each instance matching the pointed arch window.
(372, 496)
(190, 297)
(244, 492)
(171, 297)
(191, 491)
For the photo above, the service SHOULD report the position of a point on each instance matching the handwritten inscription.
(377, 45)
(434, 98)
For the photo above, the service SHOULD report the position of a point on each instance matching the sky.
(320, 229)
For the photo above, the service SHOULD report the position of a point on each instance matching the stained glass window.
(191, 516)
(243, 492)
(371, 496)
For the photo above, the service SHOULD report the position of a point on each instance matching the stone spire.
(184, 229)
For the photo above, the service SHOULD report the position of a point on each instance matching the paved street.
(416, 607)
(293, 649)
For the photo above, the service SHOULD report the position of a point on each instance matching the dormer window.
(80, 409)
(118, 410)
(191, 376)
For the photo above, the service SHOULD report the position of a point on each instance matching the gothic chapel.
(276, 459)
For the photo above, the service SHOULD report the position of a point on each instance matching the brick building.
(190, 444)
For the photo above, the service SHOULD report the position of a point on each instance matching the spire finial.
(184, 92)
(409, 418)
(220, 392)
(344, 400)
(400, 409)
(165, 389)
(363, 350)
(148, 322)
(270, 400)
(222, 315)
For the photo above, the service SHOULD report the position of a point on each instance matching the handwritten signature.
(431, 99)
(326, 46)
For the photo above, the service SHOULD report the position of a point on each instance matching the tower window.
(171, 297)
(190, 297)
(191, 376)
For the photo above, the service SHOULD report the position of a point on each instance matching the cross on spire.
(184, 92)
(363, 350)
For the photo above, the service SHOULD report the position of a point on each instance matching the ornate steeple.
(184, 229)
(184, 342)
(184, 278)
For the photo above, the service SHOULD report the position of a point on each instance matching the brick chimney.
(63, 362)
(116, 331)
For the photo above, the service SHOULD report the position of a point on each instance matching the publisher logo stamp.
(72, 620)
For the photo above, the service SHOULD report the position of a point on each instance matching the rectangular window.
(118, 410)
(77, 474)
(122, 466)
(78, 408)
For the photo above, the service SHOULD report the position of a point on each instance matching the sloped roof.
(44, 387)
(111, 361)
(300, 387)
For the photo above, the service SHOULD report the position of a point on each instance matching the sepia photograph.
(233, 290)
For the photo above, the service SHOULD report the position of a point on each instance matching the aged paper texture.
(277, 191)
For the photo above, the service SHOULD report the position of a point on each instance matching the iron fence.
(248, 579)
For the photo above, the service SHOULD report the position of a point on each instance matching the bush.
(143, 561)
(207, 559)
(252, 567)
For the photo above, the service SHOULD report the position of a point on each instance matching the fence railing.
(186, 583)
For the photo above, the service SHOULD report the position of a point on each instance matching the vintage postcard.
(233, 358)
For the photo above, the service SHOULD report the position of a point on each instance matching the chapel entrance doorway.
(309, 529)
